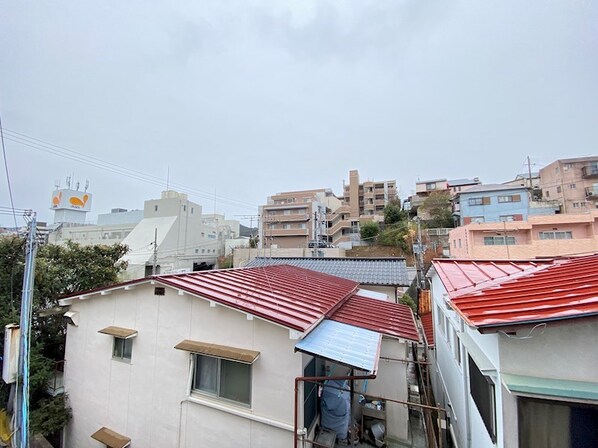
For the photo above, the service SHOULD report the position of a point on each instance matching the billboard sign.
(71, 200)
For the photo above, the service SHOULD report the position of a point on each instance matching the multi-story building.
(495, 203)
(425, 188)
(296, 218)
(571, 182)
(539, 236)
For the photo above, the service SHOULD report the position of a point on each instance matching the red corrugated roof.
(388, 318)
(428, 326)
(462, 276)
(290, 296)
(559, 289)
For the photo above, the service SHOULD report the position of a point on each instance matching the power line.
(12, 204)
(60, 151)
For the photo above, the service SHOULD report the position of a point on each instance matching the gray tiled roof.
(367, 271)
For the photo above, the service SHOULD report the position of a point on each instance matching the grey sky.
(254, 97)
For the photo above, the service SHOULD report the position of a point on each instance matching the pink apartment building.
(571, 182)
(539, 236)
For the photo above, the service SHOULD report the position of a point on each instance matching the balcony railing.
(592, 193)
(590, 171)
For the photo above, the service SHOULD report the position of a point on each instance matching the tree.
(369, 230)
(393, 212)
(438, 208)
(407, 300)
(400, 235)
(59, 270)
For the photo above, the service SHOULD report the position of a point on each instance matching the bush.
(407, 300)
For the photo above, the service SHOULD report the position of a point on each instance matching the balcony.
(285, 232)
(590, 171)
(592, 193)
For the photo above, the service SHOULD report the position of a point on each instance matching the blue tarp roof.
(346, 344)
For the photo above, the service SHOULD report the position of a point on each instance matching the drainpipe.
(315, 379)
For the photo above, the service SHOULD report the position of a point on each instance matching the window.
(478, 219)
(122, 349)
(506, 218)
(222, 378)
(440, 320)
(499, 241)
(556, 235)
(286, 212)
(509, 198)
(456, 347)
(547, 193)
(310, 395)
(431, 186)
(459, 243)
(476, 201)
(155, 208)
(572, 186)
(558, 189)
(286, 226)
(184, 208)
(481, 388)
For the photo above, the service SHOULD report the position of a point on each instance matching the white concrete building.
(515, 351)
(210, 358)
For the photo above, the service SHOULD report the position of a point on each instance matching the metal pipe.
(317, 379)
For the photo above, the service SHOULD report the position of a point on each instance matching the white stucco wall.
(148, 399)
(451, 385)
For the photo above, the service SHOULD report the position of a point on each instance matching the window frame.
(123, 353)
(472, 202)
(219, 394)
(477, 395)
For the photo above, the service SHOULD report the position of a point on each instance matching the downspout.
(466, 391)
(314, 379)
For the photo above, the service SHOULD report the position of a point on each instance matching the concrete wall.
(149, 399)
(451, 379)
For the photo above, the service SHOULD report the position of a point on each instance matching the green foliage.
(399, 235)
(369, 230)
(51, 415)
(225, 262)
(393, 212)
(253, 241)
(439, 208)
(59, 270)
(407, 300)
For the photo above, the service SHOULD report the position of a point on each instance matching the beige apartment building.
(296, 218)
(571, 182)
(539, 236)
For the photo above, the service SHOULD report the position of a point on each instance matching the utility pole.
(155, 263)
(22, 394)
(529, 171)
(420, 256)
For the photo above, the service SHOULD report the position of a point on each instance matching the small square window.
(123, 349)
(223, 378)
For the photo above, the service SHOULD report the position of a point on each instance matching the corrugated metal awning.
(346, 344)
(119, 332)
(110, 438)
(219, 351)
(550, 388)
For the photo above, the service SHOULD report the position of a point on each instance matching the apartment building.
(571, 182)
(425, 188)
(538, 236)
(294, 218)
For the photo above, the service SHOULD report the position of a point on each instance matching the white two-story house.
(516, 351)
(210, 358)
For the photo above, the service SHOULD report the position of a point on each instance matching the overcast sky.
(249, 98)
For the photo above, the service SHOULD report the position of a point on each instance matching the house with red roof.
(212, 358)
(516, 351)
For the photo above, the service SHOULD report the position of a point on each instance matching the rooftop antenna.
(57, 184)
(77, 186)
(68, 182)
(86, 184)
(167, 177)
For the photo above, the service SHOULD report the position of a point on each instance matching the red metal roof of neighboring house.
(290, 296)
(392, 319)
(462, 276)
(560, 289)
(428, 326)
